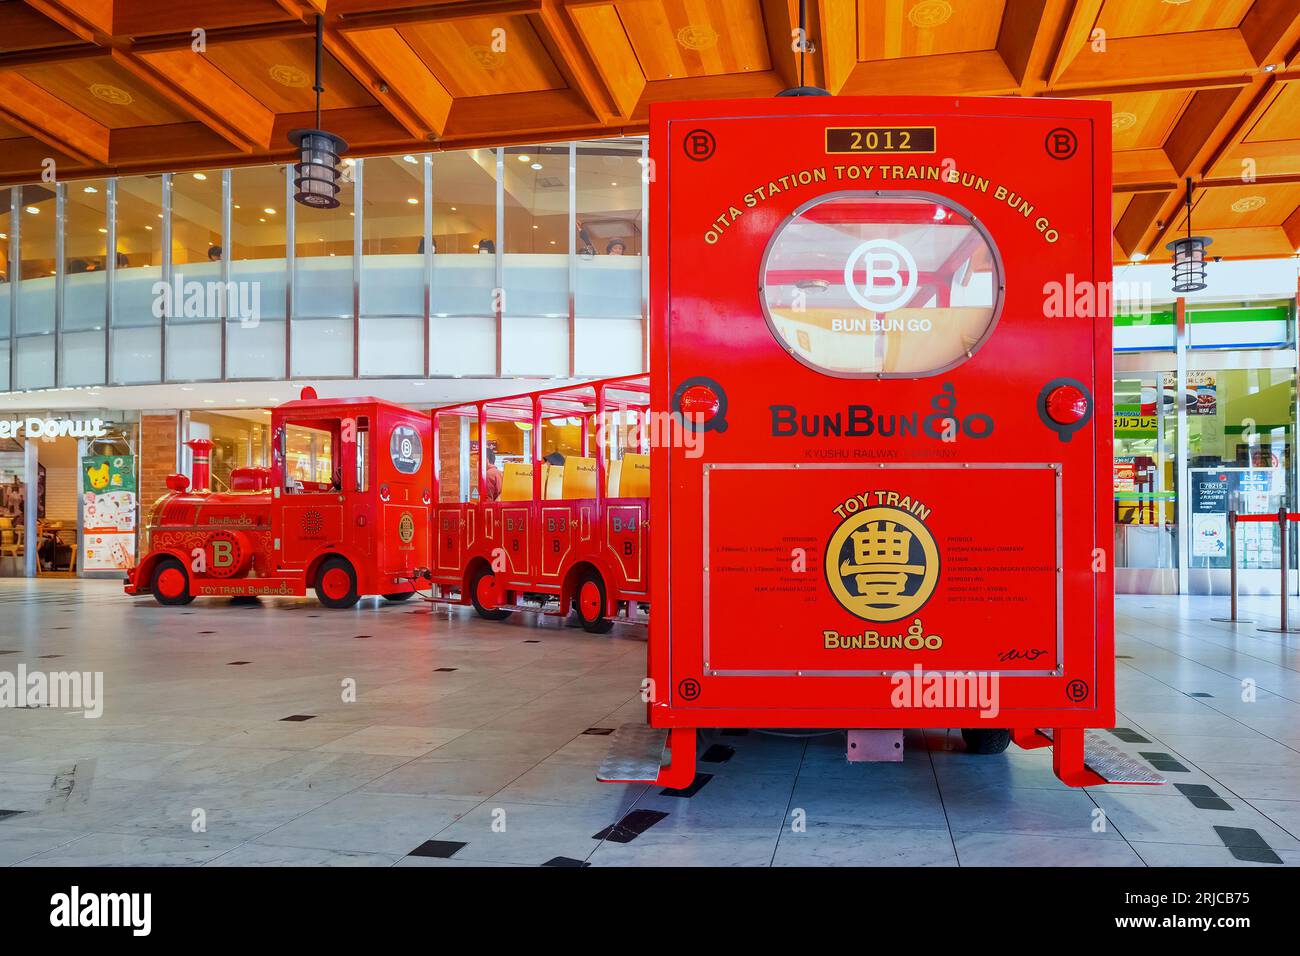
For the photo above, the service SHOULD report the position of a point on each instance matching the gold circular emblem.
(882, 564)
(930, 13)
(697, 36)
(486, 57)
(1120, 122)
(1248, 203)
(406, 527)
(287, 75)
(111, 94)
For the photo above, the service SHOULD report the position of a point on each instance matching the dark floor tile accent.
(60, 628)
(438, 849)
(1247, 845)
(8, 652)
(631, 826)
(297, 718)
(207, 632)
(718, 753)
(1123, 657)
(1199, 693)
(735, 732)
(565, 861)
(5, 814)
(686, 792)
(1163, 762)
(598, 731)
(1203, 797)
(444, 670)
(532, 642)
(46, 657)
(237, 663)
(1128, 735)
(361, 637)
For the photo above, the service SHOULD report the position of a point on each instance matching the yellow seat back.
(517, 481)
(552, 482)
(612, 472)
(635, 477)
(579, 477)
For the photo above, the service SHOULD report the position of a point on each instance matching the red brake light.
(1066, 405)
(700, 401)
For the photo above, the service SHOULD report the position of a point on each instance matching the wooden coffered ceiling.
(1202, 88)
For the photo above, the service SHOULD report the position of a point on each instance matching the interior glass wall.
(1146, 482)
(85, 282)
(485, 262)
(255, 341)
(136, 205)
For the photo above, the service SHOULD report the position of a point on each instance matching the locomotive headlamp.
(317, 169)
(1066, 405)
(1189, 255)
(700, 401)
(702, 405)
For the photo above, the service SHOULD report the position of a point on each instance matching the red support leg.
(680, 772)
(1067, 758)
(1028, 738)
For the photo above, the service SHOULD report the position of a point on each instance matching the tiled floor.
(466, 745)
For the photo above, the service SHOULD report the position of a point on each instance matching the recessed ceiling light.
(409, 158)
(33, 210)
(200, 176)
(537, 165)
(103, 230)
(453, 208)
(261, 219)
(269, 211)
(535, 226)
(146, 229)
(1138, 256)
(236, 205)
(613, 184)
(413, 201)
(90, 189)
(523, 159)
(159, 215)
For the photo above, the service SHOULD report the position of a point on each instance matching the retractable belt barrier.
(1281, 516)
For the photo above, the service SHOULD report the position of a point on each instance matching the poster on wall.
(108, 512)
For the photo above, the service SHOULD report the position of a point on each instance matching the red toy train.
(346, 507)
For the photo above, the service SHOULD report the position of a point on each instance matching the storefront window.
(1145, 476)
(197, 248)
(609, 239)
(881, 285)
(35, 344)
(1241, 441)
(463, 326)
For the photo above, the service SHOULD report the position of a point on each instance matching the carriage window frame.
(999, 281)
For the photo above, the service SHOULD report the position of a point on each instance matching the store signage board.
(33, 427)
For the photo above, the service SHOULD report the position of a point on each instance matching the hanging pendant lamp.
(1189, 255)
(317, 170)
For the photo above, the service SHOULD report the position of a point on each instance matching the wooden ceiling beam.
(1031, 34)
(780, 21)
(391, 62)
(601, 32)
(191, 82)
(46, 117)
(573, 59)
(438, 13)
(836, 37)
(1075, 39)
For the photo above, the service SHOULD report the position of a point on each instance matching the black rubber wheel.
(589, 602)
(986, 741)
(399, 597)
(483, 611)
(170, 583)
(336, 584)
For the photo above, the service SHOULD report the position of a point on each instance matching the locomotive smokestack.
(201, 472)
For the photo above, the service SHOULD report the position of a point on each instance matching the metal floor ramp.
(636, 754)
(1112, 764)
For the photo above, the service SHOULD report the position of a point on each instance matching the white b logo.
(890, 274)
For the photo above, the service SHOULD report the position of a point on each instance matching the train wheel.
(336, 584)
(170, 584)
(986, 741)
(589, 602)
(399, 597)
(483, 592)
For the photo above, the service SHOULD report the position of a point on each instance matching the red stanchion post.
(1282, 517)
(1232, 574)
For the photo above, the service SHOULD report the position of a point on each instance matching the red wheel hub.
(589, 600)
(486, 591)
(336, 584)
(171, 582)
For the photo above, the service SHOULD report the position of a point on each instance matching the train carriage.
(901, 514)
(543, 502)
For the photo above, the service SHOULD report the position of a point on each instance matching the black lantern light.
(317, 169)
(1189, 255)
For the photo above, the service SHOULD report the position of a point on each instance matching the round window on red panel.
(881, 285)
